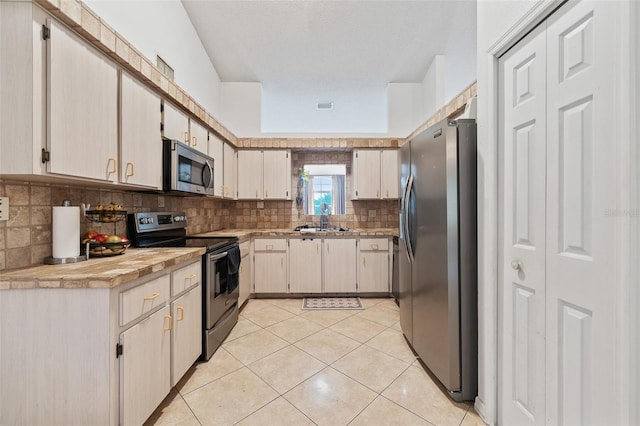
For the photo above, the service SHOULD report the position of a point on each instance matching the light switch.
(4, 208)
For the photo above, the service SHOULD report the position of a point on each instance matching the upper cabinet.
(216, 151)
(230, 182)
(175, 123)
(375, 174)
(199, 137)
(141, 153)
(264, 175)
(82, 108)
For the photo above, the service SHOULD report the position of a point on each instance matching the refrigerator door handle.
(407, 231)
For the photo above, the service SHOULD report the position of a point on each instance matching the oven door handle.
(218, 256)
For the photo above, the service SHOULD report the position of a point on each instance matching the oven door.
(186, 169)
(220, 291)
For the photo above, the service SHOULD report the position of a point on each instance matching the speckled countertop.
(105, 272)
(243, 234)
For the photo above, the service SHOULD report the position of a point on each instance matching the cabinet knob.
(516, 265)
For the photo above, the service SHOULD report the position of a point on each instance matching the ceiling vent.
(324, 106)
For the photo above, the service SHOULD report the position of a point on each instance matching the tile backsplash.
(25, 239)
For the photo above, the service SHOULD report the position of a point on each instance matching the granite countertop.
(242, 234)
(99, 272)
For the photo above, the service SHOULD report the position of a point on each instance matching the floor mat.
(320, 303)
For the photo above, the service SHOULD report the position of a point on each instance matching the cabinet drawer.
(374, 244)
(139, 300)
(245, 248)
(270, 244)
(186, 277)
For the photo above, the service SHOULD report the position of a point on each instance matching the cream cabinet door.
(145, 367)
(199, 137)
(305, 265)
(140, 139)
(373, 265)
(366, 174)
(175, 124)
(339, 265)
(270, 272)
(230, 183)
(389, 177)
(186, 336)
(82, 108)
(249, 175)
(216, 151)
(276, 175)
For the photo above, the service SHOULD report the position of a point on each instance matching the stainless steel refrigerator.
(438, 253)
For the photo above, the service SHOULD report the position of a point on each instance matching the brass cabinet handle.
(170, 323)
(317, 247)
(364, 261)
(115, 166)
(153, 296)
(327, 247)
(374, 246)
(269, 246)
(126, 175)
(281, 262)
(387, 194)
(190, 277)
(377, 193)
(195, 140)
(186, 137)
(256, 193)
(181, 311)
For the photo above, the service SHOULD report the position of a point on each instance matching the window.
(325, 187)
(164, 68)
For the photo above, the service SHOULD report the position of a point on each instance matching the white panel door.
(389, 177)
(366, 174)
(145, 367)
(305, 265)
(339, 265)
(270, 272)
(249, 175)
(216, 151)
(522, 321)
(276, 175)
(140, 139)
(373, 271)
(199, 137)
(230, 183)
(581, 185)
(82, 108)
(175, 124)
(186, 336)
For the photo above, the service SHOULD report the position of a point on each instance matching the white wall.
(433, 87)
(241, 106)
(406, 108)
(164, 28)
(460, 54)
(495, 20)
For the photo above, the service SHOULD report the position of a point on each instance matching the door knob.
(516, 265)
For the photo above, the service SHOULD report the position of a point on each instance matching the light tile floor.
(284, 366)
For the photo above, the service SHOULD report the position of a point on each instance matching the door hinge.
(161, 107)
(46, 156)
(287, 154)
(356, 155)
(162, 127)
(356, 193)
(46, 33)
(287, 193)
(119, 350)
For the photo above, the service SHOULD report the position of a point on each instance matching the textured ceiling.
(301, 44)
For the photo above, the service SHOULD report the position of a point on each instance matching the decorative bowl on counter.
(107, 249)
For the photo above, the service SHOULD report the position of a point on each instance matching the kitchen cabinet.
(82, 97)
(198, 136)
(230, 182)
(277, 175)
(305, 265)
(389, 177)
(373, 265)
(375, 174)
(339, 259)
(186, 335)
(175, 124)
(140, 147)
(216, 151)
(249, 175)
(264, 175)
(145, 368)
(270, 265)
(244, 291)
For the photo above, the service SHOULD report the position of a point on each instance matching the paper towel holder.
(64, 260)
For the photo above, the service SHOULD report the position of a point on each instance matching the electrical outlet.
(4, 208)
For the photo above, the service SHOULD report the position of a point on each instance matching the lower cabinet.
(270, 265)
(339, 259)
(305, 270)
(244, 277)
(373, 265)
(145, 367)
(186, 334)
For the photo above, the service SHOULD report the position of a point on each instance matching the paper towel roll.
(66, 231)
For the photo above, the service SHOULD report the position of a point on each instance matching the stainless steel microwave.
(185, 169)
